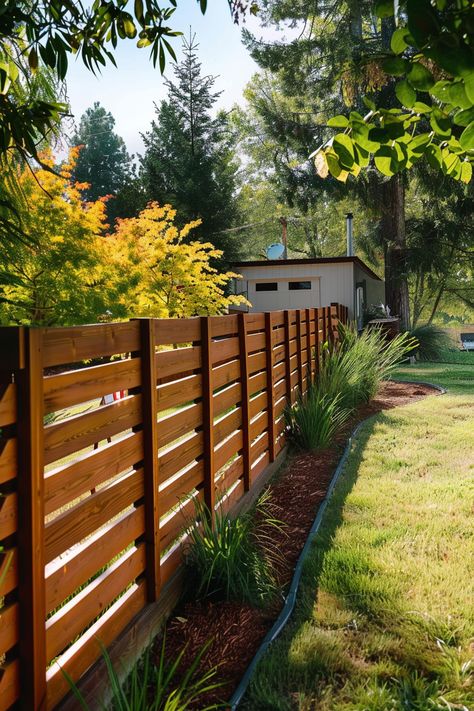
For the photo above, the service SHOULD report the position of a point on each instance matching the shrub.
(233, 559)
(314, 419)
(433, 342)
(355, 367)
(151, 687)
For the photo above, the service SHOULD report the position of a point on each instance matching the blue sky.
(130, 90)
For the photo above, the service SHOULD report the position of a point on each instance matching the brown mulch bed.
(237, 630)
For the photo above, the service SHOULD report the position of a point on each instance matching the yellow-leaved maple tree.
(55, 275)
(158, 272)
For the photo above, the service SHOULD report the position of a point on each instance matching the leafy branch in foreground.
(432, 59)
(45, 34)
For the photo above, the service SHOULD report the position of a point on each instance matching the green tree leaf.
(386, 161)
(467, 137)
(398, 42)
(344, 148)
(396, 66)
(384, 8)
(420, 77)
(405, 93)
(338, 121)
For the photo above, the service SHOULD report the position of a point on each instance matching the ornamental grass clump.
(156, 687)
(354, 368)
(233, 559)
(314, 419)
(433, 344)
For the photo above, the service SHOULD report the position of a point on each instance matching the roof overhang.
(296, 262)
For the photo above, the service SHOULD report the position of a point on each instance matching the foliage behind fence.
(96, 493)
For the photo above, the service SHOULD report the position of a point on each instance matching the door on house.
(360, 307)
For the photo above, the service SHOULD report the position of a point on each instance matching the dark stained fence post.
(334, 311)
(316, 341)
(270, 388)
(309, 367)
(31, 554)
(150, 456)
(299, 350)
(208, 415)
(287, 358)
(244, 383)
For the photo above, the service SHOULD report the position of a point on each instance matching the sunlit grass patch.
(385, 615)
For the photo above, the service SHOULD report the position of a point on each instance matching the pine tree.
(105, 164)
(189, 160)
(319, 73)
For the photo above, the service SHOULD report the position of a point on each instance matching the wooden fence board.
(10, 683)
(74, 387)
(90, 514)
(89, 603)
(77, 343)
(225, 374)
(228, 449)
(177, 361)
(178, 424)
(8, 459)
(227, 398)
(174, 491)
(9, 627)
(180, 455)
(227, 424)
(8, 571)
(77, 566)
(64, 438)
(68, 482)
(83, 653)
(8, 515)
(176, 330)
(7, 404)
(180, 392)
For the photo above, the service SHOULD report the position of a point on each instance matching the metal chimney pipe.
(350, 241)
(284, 237)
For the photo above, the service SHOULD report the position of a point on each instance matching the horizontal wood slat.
(77, 343)
(176, 330)
(177, 361)
(83, 653)
(8, 515)
(8, 459)
(80, 431)
(7, 404)
(74, 525)
(74, 387)
(68, 482)
(79, 612)
(67, 573)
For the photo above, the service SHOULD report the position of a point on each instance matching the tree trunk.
(394, 236)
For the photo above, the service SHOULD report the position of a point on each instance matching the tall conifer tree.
(189, 160)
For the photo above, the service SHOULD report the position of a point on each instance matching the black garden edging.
(290, 599)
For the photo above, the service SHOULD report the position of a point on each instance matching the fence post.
(287, 358)
(309, 367)
(208, 415)
(244, 384)
(270, 389)
(316, 341)
(149, 381)
(299, 350)
(31, 554)
(334, 311)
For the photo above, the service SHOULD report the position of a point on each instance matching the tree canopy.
(430, 63)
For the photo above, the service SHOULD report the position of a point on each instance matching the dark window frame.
(266, 286)
(297, 285)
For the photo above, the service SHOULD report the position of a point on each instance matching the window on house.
(299, 285)
(266, 286)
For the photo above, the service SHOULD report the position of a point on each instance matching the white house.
(276, 284)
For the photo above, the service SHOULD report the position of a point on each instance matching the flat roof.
(320, 260)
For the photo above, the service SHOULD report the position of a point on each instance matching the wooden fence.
(95, 493)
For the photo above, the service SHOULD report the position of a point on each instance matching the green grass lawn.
(385, 615)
